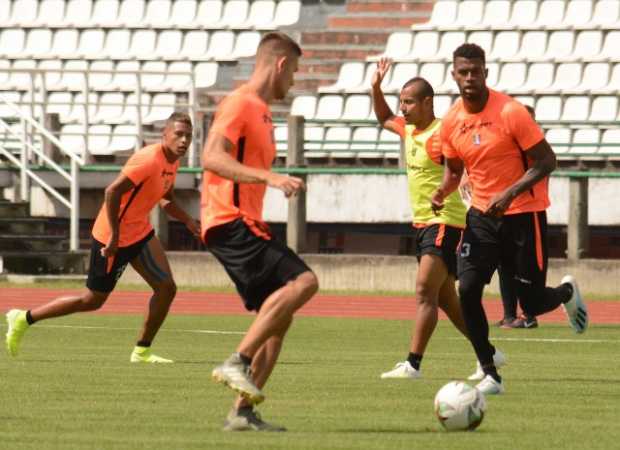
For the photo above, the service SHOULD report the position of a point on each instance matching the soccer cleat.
(144, 355)
(575, 308)
(247, 419)
(505, 321)
(488, 386)
(499, 360)
(235, 374)
(522, 322)
(403, 370)
(17, 326)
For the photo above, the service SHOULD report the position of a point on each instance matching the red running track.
(132, 302)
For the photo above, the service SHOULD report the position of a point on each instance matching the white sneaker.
(488, 386)
(499, 359)
(402, 370)
(575, 308)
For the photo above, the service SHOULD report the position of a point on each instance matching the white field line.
(551, 340)
(84, 327)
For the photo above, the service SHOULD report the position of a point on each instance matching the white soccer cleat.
(488, 386)
(575, 308)
(402, 370)
(499, 360)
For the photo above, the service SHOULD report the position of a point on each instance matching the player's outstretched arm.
(382, 110)
(170, 204)
(452, 174)
(217, 159)
(544, 163)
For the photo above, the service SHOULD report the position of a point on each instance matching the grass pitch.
(72, 387)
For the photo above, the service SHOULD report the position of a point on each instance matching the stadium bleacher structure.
(109, 68)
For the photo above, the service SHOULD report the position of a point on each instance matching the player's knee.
(309, 283)
(167, 288)
(92, 301)
(425, 295)
(469, 284)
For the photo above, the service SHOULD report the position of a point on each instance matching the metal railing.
(29, 152)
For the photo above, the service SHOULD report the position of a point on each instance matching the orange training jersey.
(153, 176)
(245, 120)
(492, 144)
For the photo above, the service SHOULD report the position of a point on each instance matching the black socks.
(415, 360)
(144, 344)
(245, 359)
(29, 318)
(566, 290)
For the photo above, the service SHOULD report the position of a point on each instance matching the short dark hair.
(179, 117)
(427, 89)
(469, 51)
(278, 43)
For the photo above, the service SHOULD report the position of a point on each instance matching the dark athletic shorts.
(104, 279)
(441, 240)
(258, 267)
(517, 242)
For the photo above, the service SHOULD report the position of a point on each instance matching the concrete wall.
(380, 273)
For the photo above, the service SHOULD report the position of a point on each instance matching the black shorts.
(257, 266)
(102, 279)
(441, 240)
(517, 242)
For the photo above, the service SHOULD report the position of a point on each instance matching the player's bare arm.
(171, 206)
(112, 199)
(544, 164)
(384, 114)
(217, 159)
(452, 174)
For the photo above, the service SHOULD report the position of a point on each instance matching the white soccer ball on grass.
(458, 406)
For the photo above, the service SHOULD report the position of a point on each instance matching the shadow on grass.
(393, 430)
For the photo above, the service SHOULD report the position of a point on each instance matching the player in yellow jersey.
(437, 235)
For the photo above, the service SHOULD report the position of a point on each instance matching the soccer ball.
(458, 406)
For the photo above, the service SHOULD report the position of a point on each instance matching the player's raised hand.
(287, 184)
(382, 67)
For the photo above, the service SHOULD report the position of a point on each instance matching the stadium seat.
(389, 144)
(24, 13)
(540, 77)
(304, 105)
(105, 13)
(208, 15)
(133, 106)
(101, 81)
(162, 105)
(356, 107)
(364, 142)
(335, 145)
(12, 43)
(157, 13)
(576, 108)
(60, 103)
(77, 13)
(168, 44)
(117, 44)
(246, 44)
(505, 46)
(287, 13)
(195, 45)
(612, 85)
(483, 39)
(444, 14)
(548, 107)
(351, 76)
(366, 82)
(234, 14)
(434, 73)
(397, 47)
(22, 78)
(524, 13)
(177, 82)
(550, 14)
(91, 44)
(595, 76)
(560, 45)
(610, 141)
(313, 141)
(450, 40)
(567, 78)
(153, 74)
(584, 136)
(38, 43)
(425, 45)
(280, 133)
(11, 96)
(221, 45)
(50, 14)
(205, 74)
(131, 13)
(124, 137)
(401, 73)
(533, 47)
(442, 104)
(496, 15)
(577, 14)
(73, 138)
(587, 45)
(604, 109)
(65, 44)
(261, 15)
(125, 76)
(329, 107)
(606, 15)
(142, 44)
(182, 14)
(511, 77)
(111, 107)
(80, 107)
(469, 14)
(99, 139)
(610, 50)
(559, 139)
(53, 74)
(5, 13)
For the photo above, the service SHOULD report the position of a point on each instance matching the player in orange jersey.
(507, 159)
(270, 278)
(123, 235)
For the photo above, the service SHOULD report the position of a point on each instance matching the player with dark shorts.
(123, 235)
(507, 160)
(270, 278)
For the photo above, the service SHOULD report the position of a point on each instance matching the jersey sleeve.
(434, 147)
(230, 119)
(139, 167)
(521, 125)
(398, 125)
(447, 149)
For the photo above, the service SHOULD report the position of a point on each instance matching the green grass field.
(73, 388)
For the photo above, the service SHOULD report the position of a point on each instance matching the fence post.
(578, 236)
(296, 225)
(51, 122)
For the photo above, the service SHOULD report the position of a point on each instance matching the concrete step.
(380, 6)
(342, 52)
(378, 21)
(22, 225)
(349, 36)
(32, 242)
(14, 209)
(45, 262)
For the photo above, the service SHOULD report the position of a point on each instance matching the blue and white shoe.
(575, 308)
